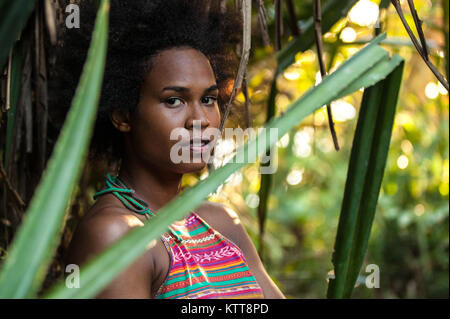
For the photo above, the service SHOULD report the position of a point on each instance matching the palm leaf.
(364, 177)
(38, 236)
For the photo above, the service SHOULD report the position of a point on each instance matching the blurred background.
(410, 235)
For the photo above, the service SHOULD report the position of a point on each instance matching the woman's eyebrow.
(212, 88)
(175, 88)
(185, 89)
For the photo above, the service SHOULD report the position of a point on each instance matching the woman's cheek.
(215, 117)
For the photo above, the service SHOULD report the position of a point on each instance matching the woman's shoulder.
(109, 218)
(107, 222)
(222, 218)
(103, 224)
(217, 211)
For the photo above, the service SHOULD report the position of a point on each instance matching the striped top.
(205, 264)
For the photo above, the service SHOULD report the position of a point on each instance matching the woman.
(169, 66)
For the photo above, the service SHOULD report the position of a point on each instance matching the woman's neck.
(155, 187)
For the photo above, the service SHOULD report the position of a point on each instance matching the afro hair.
(138, 30)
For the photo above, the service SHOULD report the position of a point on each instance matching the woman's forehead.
(181, 67)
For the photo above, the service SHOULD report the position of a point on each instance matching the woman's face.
(179, 89)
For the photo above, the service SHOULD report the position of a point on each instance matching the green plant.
(35, 243)
(366, 169)
(37, 238)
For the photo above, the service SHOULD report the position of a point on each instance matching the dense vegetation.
(409, 239)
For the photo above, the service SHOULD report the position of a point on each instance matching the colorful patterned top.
(205, 264)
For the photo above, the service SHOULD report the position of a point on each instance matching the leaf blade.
(365, 173)
(375, 172)
(37, 238)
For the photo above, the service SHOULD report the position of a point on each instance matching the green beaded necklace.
(126, 195)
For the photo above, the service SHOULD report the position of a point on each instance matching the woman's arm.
(96, 234)
(227, 222)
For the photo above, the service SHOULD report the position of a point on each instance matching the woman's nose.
(198, 114)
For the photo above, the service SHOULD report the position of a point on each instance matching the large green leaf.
(13, 17)
(365, 173)
(375, 75)
(375, 172)
(38, 236)
(102, 269)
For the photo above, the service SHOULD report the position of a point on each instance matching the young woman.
(169, 63)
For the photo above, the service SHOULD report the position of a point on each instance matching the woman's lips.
(199, 147)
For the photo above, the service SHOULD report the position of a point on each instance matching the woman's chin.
(186, 168)
(194, 164)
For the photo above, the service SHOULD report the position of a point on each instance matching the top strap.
(115, 186)
(118, 188)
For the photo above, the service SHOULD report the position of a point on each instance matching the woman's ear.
(120, 120)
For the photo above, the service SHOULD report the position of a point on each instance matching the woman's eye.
(209, 100)
(173, 101)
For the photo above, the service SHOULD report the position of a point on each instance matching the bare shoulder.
(217, 210)
(102, 226)
(223, 219)
(98, 230)
(108, 225)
